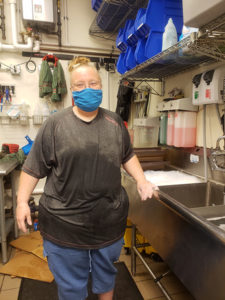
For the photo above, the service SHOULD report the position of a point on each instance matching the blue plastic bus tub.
(95, 4)
(153, 44)
(159, 11)
(139, 53)
(130, 61)
(131, 37)
(120, 66)
(120, 41)
(155, 15)
(174, 4)
(141, 26)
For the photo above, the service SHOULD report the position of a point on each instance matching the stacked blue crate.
(131, 39)
(141, 29)
(141, 23)
(126, 42)
(95, 4)
(120, 65)
(121, 44)
(141, 39)
(157, 15)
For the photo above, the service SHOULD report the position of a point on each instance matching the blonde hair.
(78, 62)
(81, 61)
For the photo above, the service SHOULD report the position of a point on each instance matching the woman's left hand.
(146, 190)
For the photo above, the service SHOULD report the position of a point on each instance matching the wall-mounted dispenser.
(209, 87)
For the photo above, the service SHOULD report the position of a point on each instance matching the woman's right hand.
(23, 216)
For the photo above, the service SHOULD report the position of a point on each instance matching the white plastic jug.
(169, 35)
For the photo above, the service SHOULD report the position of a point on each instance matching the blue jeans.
(71, 268)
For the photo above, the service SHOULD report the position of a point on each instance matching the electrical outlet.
(15, 70)
(194, 158)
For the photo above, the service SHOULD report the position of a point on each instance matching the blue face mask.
(87, 99)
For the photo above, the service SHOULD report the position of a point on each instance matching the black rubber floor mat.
(125, 288)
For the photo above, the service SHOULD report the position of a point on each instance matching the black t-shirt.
(83, 204)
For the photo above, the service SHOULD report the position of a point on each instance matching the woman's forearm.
(27, 184)
(145, 188)
(133, 168)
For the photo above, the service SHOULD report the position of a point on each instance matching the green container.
(163, 128)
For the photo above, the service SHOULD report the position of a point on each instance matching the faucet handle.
(217, 157)
(218, 142)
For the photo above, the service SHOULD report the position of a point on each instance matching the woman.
(83, 210)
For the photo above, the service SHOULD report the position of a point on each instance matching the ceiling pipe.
(15, 45)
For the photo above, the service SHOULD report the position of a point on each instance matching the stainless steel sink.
(196, 194)
(181, 227)
(204, 199)
(210, 212)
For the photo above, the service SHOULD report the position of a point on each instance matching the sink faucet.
(218, 154)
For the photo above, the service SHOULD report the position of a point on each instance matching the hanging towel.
(58, 83)
(50, 84)
(45, 80)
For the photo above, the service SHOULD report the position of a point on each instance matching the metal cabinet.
(7, 222)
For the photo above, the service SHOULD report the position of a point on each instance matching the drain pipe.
(15, 46)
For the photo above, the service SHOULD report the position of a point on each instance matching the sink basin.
(211, 213)
(196, 194)
(204, 199)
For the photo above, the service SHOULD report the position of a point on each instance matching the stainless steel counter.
(7, 167)
(191, 245)
(7, 224)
